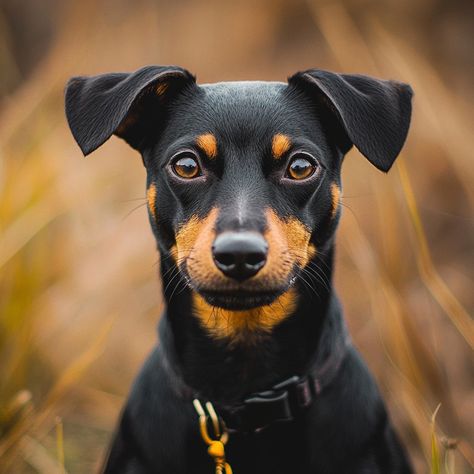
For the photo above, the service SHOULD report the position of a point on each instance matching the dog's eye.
(186, 166)
(300, 167)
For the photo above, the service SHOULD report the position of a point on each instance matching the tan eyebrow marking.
(280, 145)
(151, 198)
(208, 144)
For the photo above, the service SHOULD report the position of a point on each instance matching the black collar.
(284, 401)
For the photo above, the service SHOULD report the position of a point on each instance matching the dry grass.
(79, 294)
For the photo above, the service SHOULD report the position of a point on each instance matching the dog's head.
(243, 181)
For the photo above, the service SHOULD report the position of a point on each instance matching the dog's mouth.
(239, 297)
(234, 296)
(236, 310)
(240, 300)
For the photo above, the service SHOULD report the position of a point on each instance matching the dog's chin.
(239, 300)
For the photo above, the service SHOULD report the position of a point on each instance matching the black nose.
(239, 255)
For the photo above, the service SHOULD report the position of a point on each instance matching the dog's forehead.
(251, 106)
(246, 111)
(243, 90)
(246, 104)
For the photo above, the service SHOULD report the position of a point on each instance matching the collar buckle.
(281, 403)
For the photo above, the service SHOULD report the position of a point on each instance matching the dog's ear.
(129, 105)
(374, 114)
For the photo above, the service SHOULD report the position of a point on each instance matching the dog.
(254, 371)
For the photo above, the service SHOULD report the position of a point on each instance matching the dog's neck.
(224, 371)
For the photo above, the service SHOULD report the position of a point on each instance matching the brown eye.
(187, 166)
(300, 167)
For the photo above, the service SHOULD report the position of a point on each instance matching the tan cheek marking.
(280, 145)
(174, 253)
(312, 252)
(186, 237)
(244, 326)
(298, 240)
(208, 144)
(296, 234)
(196, 236)
(278, 266)
(336, 197)
(151, 199)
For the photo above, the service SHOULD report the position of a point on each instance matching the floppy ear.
(125, 104)
(374, 114)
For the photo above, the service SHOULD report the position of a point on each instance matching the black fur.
(374, 113)
(346, 430)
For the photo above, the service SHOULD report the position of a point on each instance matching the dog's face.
(238, 182)
(243, 184)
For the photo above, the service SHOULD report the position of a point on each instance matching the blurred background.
(80, 295)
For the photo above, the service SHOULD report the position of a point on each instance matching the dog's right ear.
(374, 114)
(129, 105)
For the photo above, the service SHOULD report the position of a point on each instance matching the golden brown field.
(79, 288)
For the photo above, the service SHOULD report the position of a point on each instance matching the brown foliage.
(79, 292)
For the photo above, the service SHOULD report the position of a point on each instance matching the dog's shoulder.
(151, 428)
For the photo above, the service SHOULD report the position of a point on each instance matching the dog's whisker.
(309, 286)
(314, 271)
(133, 200)
(180, 281)
(133, 210)
(176, 274)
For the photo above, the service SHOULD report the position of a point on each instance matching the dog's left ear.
(374, 114)
(129, 105)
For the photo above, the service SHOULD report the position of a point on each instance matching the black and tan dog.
(243, 188)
